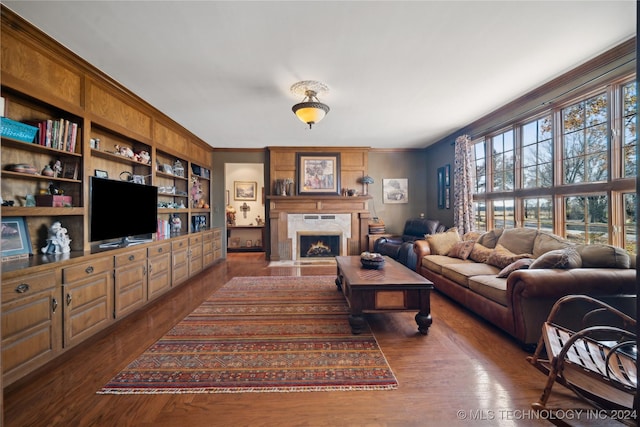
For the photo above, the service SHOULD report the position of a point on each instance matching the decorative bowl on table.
(371, 260)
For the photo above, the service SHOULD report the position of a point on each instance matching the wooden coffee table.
(392, 288)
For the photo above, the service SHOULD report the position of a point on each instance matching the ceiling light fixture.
(310, 110)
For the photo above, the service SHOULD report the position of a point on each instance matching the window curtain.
(463, 196)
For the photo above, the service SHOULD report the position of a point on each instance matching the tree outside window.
(630, 222)
(585, 141)
(502, 161)
(538, 213)
(537, 153)
(586, 219)
(629, 138)
(503, 213)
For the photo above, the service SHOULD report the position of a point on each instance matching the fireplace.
(331, 226)
(315, 245)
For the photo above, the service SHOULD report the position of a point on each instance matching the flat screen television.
(122, 210)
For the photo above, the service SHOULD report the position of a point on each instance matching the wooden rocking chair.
(598, 363)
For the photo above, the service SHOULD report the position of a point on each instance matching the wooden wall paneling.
(31, 69)
(169, 140)
(119, 113)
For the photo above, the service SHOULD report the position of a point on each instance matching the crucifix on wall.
(245, 208)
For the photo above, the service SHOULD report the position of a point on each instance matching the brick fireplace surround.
(280, 207)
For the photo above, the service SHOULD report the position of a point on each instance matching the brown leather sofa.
(520, 302)
(400, 248)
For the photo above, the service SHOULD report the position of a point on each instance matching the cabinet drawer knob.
(132, 257)
(54, 305)
(89, 269)
(68, 300)
(22, 288)
(159, 249)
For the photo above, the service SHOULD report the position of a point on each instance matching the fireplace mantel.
(281, 206)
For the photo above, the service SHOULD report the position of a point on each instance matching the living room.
(417, 159)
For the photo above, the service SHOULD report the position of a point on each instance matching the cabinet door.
(217, 244)
(31, 324)
(207, 249)
(179, 261)
(195, 254)
(131, 281)
(87, 299)
(159, 266)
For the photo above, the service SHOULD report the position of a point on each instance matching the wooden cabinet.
(195, 254)
(159, 269)
(217, 244)
(130, 281)
(88, 299)
(179, 260)
(207, 248)
(31, 323)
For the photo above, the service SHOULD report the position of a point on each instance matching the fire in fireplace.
(315, 245)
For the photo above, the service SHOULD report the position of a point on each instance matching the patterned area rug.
(261, 334)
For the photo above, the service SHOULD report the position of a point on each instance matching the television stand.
(125, 242)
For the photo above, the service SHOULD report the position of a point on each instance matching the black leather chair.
(400, 248)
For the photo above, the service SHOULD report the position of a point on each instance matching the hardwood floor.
(463, 365)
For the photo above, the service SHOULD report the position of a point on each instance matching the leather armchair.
(400, 247)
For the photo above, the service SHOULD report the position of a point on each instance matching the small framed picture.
(249, 243)
(244, 190)
(70, 170)
(395, 190)
(16, 242)
(234, 242)
(139, 179)
(101, 174)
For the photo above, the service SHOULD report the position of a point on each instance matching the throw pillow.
(521, 264)
(480, 253)
(502, 257)
(559, 258)
(471, 235)
(441, 243)
(462, 249)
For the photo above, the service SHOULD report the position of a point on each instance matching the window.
(503, 213)
(585, 143)
(538, 213)
(576, 164)
(629, 140)
(480, 170)
(630, 222)
(480, 209)
(537, 153)
(502, 161)
(586, 218)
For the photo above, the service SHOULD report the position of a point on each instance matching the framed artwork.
(318, 173)
(101, 174)
(441, 188)
(244, 190)
(234, 242)
(447, 174)
(16, 242)
(395, 190)
(447, 197)
(248, 243)
(70, 170)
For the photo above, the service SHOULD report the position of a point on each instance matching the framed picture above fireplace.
(318, 173)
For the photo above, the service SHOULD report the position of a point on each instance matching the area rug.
(261, 334)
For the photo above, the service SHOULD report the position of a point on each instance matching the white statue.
(58, 242)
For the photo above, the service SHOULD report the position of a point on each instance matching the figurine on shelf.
(58, 241)
(124, 151)
(196, 191)
(259, 221)
(57, 169)
(142, 157)
(178, 169)
(176, 223)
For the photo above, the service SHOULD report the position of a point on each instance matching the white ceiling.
(401, 74)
